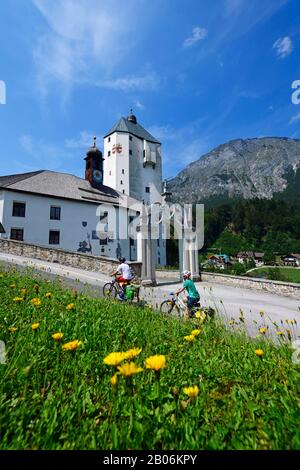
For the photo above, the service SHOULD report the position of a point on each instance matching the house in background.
(220, 261)
(292, 259)
(246, 256)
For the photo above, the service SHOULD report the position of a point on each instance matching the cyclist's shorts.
(191, 302)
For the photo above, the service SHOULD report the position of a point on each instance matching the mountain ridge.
(252, 168)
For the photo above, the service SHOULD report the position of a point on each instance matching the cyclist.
(193, 296)
(124, 276)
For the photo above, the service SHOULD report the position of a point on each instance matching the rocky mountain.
(241, 169)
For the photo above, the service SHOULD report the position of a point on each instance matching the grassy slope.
(290, 274)
(54, 399)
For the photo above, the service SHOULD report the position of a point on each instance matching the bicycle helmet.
(186, 273)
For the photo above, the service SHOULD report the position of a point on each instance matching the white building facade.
(60, 210)
(133, 166)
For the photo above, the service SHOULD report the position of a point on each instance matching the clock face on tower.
(98, 176)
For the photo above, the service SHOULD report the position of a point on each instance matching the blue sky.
(196, 72)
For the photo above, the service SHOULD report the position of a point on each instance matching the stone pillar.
(188, 248)
(146, 251)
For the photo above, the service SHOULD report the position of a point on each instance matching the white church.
(60, 210)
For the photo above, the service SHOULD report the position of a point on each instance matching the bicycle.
(179, 306)
(114, 288)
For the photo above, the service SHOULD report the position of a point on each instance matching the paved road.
(227, 300)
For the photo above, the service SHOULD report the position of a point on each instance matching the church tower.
(94, 166)
(133, 165)
(133, 161)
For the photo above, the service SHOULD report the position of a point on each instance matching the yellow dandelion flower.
(114, 359)
(200, 315)
(128, 369)
(24, 292)
(114, 380)
(263, 330)
(191, 392)
(36, 302)
(48, 295)
(57, 336)
(291, 322)
(18, 299)
(196, 332)
(35, 326)
(280, 333)
(231, 322)
(156, 362)
(72, 345)
(12, 329)
(70, 306)
(132, 353)
(261, 312)
(259, 352)
(189, 338)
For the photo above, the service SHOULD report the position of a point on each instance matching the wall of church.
(116, 165)
(77, 226)
(1, 207)
(124, 170)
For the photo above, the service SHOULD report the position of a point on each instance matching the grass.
(284, 274)
(56, 399)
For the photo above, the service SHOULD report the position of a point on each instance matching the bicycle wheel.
(109, 290)
(167, 306)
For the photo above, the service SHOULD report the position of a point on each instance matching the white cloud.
(38, 151)
(148, 81)
(283, 47)
(197, 35)
(233, 7)
(139, 105)
(84, 140)
(163, 133)
(295, 118)
(81, 40)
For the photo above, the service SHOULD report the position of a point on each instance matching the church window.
(158, 242)
(17, 234)
(108, 153)
(109, 139)
(109, 173)
(123, 172)
(121, 182)
(147, 189)
(54, 236)
(19, 209)
(130, 152)
(123, 191)
(55, 213)
(130, 137)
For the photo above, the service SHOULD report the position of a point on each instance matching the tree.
(269, 258)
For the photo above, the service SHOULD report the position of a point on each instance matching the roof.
(60, 185)
(123, 125)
